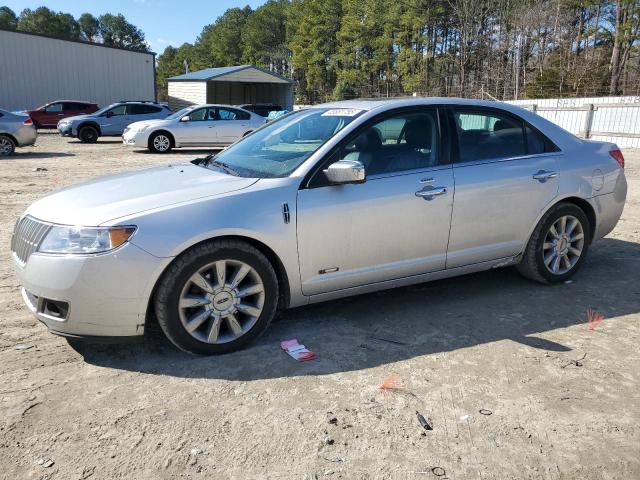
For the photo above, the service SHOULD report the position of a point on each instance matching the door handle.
(432, 192)
(544, 175)
(60, 114)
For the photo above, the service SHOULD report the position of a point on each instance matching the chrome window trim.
(471, 163)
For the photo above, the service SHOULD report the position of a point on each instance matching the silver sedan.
(15, 131)
(332, 201)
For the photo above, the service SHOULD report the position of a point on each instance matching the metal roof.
(212, 73)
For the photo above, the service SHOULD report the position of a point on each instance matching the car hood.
(150, 123)
(106, 198)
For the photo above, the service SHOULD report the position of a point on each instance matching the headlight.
(84, 239)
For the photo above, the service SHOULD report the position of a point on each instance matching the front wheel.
(160, 143)
(88, 134)
(7, 145)
(217, 297)
(558, 245)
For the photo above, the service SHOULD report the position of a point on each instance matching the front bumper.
(133, 138)
(103, 295)
(65, 130)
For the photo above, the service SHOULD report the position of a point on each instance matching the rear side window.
(486, 135)
(136, 109)
(74, 107)
(232, 114)
(483, 136)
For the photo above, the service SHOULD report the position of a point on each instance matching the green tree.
(116, 31)
(8, 18)
(45, 21)
(220, 44)
(89, 27)
(264, 37)
(314, 45)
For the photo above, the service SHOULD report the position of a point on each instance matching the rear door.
(71, 109)
(506, 173)
(231, 124)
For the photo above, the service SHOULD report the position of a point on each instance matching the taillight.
(617, 155)
(28, 121)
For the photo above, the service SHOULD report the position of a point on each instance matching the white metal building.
(37, 69)
(230, 85)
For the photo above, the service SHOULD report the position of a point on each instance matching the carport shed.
(231, 86)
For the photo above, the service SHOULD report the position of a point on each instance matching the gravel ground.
(489, 341)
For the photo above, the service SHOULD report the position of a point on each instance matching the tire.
(7, 146)
(221, 317)
(544, 258)
(88, 134)
(160, 142)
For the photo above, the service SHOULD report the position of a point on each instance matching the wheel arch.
(586, 207)
(166, 132)
(13, 139)
(274, 259)
(90, 124)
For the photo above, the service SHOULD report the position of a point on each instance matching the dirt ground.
(564, 400)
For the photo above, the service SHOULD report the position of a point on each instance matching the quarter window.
(406, 141)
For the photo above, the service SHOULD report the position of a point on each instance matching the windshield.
(179, 113)
(281, 146)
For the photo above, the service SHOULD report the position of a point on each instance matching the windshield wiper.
(223, 166)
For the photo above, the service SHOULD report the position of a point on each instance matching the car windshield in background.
(179, 113)
(281, 146)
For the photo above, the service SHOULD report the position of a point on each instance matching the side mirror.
(108, 114)
(346, 171)
(185, 118)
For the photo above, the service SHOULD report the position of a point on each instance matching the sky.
(164, 22)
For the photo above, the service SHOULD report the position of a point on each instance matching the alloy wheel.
(221, 301)
(161, 143)
(6, 147)
(563, 245)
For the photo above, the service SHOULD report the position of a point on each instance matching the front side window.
(488, 135)
(405, 141)
(281, 146)
(118, 110)
(56, 107)
(203, 114)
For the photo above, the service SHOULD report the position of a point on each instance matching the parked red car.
(48, 116)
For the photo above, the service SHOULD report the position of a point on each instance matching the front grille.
(27, 235)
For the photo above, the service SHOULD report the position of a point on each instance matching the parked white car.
(196, 126)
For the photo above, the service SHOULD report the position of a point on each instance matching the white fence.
(609, 119)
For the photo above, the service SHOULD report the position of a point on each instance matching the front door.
(115, 120)
(394, 225)
(505, 176)
(200, 129)
(52, 114)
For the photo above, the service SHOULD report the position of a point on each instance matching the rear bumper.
(26, 135)
(609, 208)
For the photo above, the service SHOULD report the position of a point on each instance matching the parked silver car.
(16, 130)
(197, 126)
(327, 202)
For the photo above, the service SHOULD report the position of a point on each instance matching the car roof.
(374, 103)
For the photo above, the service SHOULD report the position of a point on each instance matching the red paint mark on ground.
(594, 318)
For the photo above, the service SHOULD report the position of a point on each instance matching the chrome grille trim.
(26, 238)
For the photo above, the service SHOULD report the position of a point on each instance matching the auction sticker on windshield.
(342, 112)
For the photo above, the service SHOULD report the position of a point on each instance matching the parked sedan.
(197, 126)
(48, 116)
(336, 200)
(15, 131)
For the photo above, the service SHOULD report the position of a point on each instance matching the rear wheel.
(88, 134)
(217, 297)
(160, 143)
(7, 145)
(558, 245)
